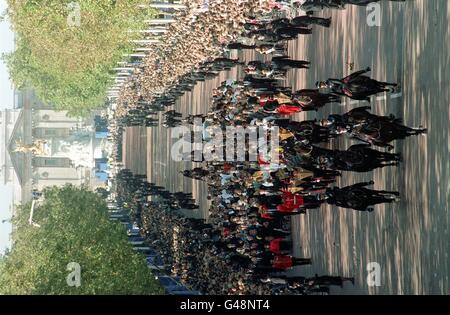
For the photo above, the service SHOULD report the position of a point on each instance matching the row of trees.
(74, 227)
(66, 49)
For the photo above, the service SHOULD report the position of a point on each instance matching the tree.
(69, 64)
(74, 227)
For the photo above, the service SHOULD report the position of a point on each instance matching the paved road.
(410, 239)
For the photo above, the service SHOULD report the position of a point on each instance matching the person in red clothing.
(226, 232)
(227, 167)
(283, 262)
(266, 215)
(273, 107)
(291, 202)
(279, 246)
(287, 204)
(288, 109)
(294, 203)
(261, 161)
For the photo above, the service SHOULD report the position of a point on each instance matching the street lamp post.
(30, 220)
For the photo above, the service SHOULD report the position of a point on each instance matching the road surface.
(410, 239)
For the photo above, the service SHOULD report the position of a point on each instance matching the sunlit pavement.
(409, 240)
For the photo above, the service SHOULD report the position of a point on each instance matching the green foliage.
(69, 66)
(74, 227)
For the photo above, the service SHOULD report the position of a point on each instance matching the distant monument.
(36, 148)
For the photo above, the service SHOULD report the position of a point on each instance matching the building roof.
(19, 160)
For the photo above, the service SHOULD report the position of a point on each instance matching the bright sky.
(6, 101)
